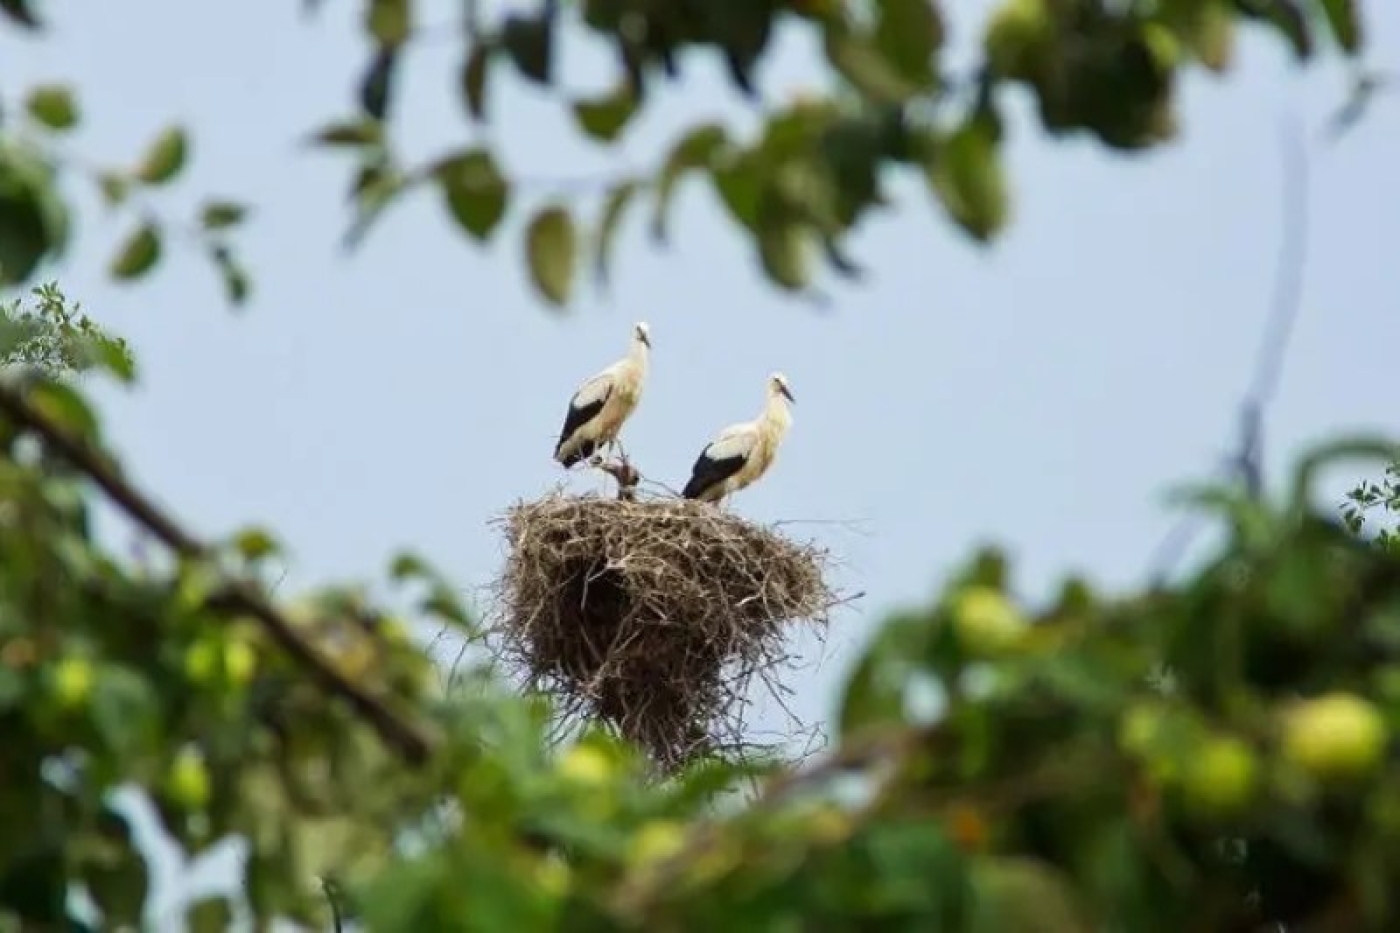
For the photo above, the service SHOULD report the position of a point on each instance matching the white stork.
(604, 402)
(742, 453)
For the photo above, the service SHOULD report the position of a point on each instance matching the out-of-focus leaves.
(614, 208)
(604, 118)
(138, 253)
(220, 215)
(908, 33)
(33, 217)
(785, 249)
(1344, 18)
(695, 150)
(114, 871)
(212, 914)
(858, 60)
(65, 406)
(364, 132)
(233, 277)
(965, 172)
(53, 105)
(377, 84)
(164, 158)
(1286, 16)
(389, 21)
(474, 190)
(21, 12)
(551, 252)
(1024, 894)
(1208, 28)
(529, 41)
(475, 70)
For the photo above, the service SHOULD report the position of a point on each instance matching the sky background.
(1041, 394)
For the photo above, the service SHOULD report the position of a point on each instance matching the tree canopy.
(1214, 752)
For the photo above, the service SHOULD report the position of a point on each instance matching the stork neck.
(776, 410)
(637, 352)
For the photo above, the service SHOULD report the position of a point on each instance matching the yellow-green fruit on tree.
(202, 661)
(1012, 35)
(187, 781)
(987, 623)
(240, 661)
(72, 681)
(1336, 736)
(1221, 778)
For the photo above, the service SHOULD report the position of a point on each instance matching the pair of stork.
(736, 457)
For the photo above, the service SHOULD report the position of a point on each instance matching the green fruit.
(1221, 778)
(1012, 35)
(1335, 737)
(72, 681)
(202, 661)
(187, 781)
(987, 623)
(240, 661)
(1139, 727)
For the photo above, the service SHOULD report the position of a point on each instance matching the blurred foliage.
(1215, 754)
(1218, 754)
(816, 169)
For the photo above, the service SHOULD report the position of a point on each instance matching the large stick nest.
(652, 617)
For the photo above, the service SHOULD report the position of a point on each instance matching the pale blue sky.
(1042, 393)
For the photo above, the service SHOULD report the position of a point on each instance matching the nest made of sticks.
(652, 617)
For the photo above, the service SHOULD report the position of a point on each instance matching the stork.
(604, 402)
(741, 453)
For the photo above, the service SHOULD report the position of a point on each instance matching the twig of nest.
(652, 617)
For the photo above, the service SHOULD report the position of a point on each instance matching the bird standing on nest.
(742, 453)
(603, 403)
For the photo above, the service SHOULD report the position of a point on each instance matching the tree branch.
(406, 738)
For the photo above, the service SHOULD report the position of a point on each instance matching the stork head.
(778, 384)
(641, 332)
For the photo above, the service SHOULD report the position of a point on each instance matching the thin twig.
(409, 740)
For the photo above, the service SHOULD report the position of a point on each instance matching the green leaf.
(529, 41)
(115, 872)
(212, 914)
(114, 187)
(695, 150)
(62, 405)
(125, 710)
(474, 190)
(785, 251)
(474, 73)
(164, 158)
(389, 21)
(31, 215)
(739, 182)
(138, 253)
(232, 275)
(1344, 18)
(219, 215)
(860, 63)
(1018, 893)
(363, 132)
(53, 105)
(908, 32)
(551, 245)
(604, 118)
(615, 205)
(377, 83)
(966, 174)
(1289, 18)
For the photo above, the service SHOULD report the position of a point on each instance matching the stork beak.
(641, 335)
(786, 392)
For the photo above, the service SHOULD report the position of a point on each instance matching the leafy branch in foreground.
(35, 217)
(818, 166)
